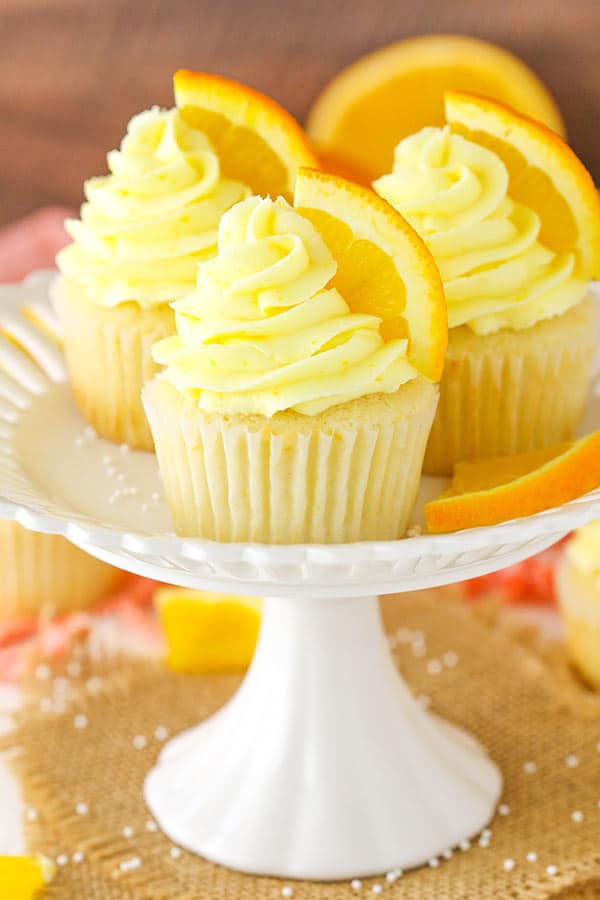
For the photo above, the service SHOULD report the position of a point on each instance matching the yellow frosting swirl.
(145, 227)
(263, 333)
(496, 272)
(584, 551)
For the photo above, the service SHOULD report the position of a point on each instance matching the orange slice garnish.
(257, 141)
(489, 491)
(384, 268)
(385, 96)
(544, 173)
(208, 632)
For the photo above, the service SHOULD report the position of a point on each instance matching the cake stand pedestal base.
(322, 766)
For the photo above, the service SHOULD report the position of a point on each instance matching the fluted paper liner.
(512, 392)
(500, 691)
(44, 574)
(351, 473)
(109, 358)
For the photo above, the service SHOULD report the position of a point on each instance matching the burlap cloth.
(89, 737)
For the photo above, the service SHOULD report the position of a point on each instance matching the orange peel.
(490, 491)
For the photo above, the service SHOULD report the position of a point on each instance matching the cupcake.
(300, 387)
(512, 219)
(44, 574)
(578, 588)
(145, 227)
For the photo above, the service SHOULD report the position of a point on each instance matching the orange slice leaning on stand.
(257, 141)
(489, 491)
(370, 106)
(383, 267)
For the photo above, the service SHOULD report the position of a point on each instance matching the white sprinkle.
(424, 701)
(504, 809)
(434, 862)
(94, 684)
(42, 672)
(161, 733)
(434, 666)
(530, 767)
(106, 459)
(151, 825)
(61, 684)
(82, 808)
(31, 814)
(74, 668)
(128, 864)
(508, 865)
(404, 636)
(155, 496)
(77, 856)
(376, 889)
(80, 720)
(139, 742)
(128, 832)
(551, 870)
(79, 442)
(419, 649)
(448, 854)
(124, 448)
(144, 507)
(89, 433)
(486, 833)
(175, 852)
(531, 856)
(391, 877)
(287, 891)
(62, 859)
(577, 816)
(465, 845)
(484, 842)
(111, 471)
(450, 659)
(572, 761)
(356, 884)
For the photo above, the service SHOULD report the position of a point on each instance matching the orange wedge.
(207, 632)
(489, 491)
(385, 96)
(384, 268)
(257, 141)
(544, 174)
(24, 877)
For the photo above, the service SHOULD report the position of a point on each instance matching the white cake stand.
(322, 766)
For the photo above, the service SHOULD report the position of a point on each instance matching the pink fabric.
(33, 242)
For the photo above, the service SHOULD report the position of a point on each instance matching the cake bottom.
(350, 473)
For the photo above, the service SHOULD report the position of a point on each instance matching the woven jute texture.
(79, 741)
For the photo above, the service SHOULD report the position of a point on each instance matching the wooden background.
(72, 72)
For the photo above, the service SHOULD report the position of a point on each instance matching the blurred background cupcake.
(578, 588)
(44, 574)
